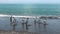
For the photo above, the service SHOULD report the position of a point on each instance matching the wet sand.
(16, 32)
(52, 27)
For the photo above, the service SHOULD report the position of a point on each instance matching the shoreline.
(27, 16)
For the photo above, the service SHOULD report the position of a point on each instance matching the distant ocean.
(30, 9)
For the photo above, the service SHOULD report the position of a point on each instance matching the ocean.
(30, 9)
(52, 27)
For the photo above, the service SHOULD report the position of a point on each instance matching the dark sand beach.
(52, 27)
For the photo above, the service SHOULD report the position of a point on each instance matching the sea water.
(30, 9)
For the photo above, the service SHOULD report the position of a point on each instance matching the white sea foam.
(4, 15)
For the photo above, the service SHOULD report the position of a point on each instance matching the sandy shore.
(16, 32)
(52, 27)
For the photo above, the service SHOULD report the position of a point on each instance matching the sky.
(29, 1)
